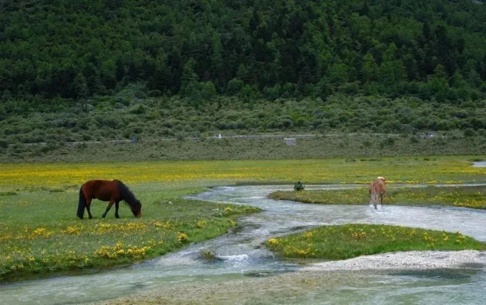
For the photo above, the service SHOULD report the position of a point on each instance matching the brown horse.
(377, 190)
(105, 190)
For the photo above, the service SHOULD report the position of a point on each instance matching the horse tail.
(81, 203)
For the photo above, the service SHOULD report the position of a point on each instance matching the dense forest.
(195, 67)
(199, 48)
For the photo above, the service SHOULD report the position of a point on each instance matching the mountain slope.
(198, 49)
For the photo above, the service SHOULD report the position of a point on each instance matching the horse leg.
(108, 208)
(117, 204)
(375, 199)
(88, 208)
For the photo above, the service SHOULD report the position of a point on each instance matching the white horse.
(377, 190)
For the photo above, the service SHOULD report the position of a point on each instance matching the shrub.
(154, 93)
(469, 132)
(299, 186)
(234, 86)
(139, 109)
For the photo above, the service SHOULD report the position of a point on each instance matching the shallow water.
(240, 255)
(479, 164)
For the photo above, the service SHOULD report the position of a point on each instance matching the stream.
(241, 256)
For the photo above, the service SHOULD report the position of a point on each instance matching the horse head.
(137, 209)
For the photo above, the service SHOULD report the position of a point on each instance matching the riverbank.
(423, 260)
(353, 281)
(466, 196)
(286, 288)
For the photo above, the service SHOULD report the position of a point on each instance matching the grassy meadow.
(459, 196)
(41, 235)
(348, 241)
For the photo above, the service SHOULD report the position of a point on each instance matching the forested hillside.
(199, 48)
(98, 70)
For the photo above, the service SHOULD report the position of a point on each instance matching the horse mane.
(126, 194)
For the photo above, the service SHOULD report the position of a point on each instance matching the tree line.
(199, 49)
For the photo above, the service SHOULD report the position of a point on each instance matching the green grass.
(348, 241)
(408, 170)
(342, 242)
(459, 196)
(40, 234)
